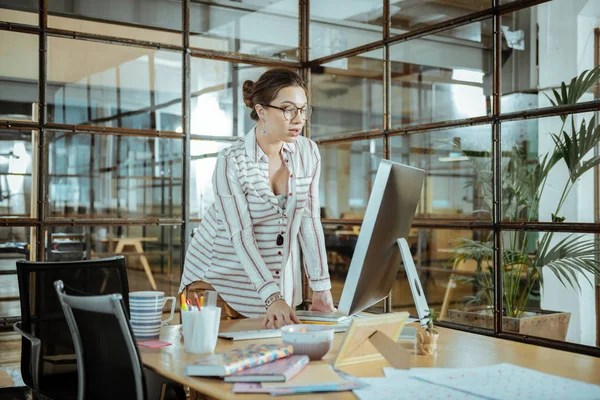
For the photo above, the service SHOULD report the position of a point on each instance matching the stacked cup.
(146, 313)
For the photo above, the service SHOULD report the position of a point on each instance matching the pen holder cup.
(201, 329)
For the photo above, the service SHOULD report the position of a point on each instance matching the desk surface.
(455, 349)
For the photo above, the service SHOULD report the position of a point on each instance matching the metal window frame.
(41, 221)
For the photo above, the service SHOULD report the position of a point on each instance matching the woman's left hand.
(322, 301)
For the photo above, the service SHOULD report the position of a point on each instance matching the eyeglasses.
(290, 112)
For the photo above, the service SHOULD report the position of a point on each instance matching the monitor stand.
(414, 282)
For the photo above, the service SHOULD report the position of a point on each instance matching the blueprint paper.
(406, 387)
(503, 381)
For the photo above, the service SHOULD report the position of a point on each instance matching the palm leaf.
(577, 87)
(574, 147)
(572, 254)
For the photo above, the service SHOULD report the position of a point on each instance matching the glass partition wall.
(111, 119)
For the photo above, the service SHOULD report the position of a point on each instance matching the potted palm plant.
(525, 255)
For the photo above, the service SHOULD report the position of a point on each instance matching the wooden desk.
(455, 349)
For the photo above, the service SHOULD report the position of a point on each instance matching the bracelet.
(272, 299)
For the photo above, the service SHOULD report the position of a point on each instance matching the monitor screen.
(389, 215)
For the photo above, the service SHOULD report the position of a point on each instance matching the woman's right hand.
(279, 314)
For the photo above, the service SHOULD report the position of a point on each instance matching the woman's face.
(274, 120)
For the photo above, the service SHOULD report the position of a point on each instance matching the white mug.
(201, 329)
(146, 313)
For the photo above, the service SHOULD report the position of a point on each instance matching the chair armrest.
(36, 345)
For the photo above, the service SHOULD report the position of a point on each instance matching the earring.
(263, 132)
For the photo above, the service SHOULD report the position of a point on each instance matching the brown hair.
(265, 89)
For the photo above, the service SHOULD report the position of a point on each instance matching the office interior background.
(112, 113)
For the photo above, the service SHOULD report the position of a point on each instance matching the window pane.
(348, 95)
(562, 192)
(153, 246)
(544, 46)
(19, 11)
(204, 158)
(15, 173)
(18, 75)
(258, 28)
(216, 87)
(336, 26)
(443, 76)
(14, 242)
(568, 293)
(452, 160)
(456, 288)
(407, 16)
(117, 86)
(347, 174)
(113, 176)
(162, 14)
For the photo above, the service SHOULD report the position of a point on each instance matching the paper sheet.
(502, 381)
(406, 387)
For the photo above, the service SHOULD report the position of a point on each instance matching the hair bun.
(248, 91)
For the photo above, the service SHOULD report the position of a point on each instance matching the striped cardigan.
(235, 247)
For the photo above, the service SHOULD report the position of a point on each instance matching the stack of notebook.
(269, 368)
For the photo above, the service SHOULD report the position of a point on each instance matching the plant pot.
(427, 342)
(539, 323)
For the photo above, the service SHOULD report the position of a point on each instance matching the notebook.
(229, 362)
(281, 370)
(318, 316)
(314, 378)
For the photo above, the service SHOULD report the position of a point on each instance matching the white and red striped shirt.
(235, 247)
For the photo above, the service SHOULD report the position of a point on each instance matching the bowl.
(312, 340)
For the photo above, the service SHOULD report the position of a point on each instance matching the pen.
(318, 322)
(201, 301)
(198, 303)
(183, 303)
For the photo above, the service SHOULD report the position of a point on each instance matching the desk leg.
(144, 260)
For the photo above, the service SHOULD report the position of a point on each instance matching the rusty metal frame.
(41, 220)
(186, 124)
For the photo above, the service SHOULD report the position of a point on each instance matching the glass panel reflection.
(217, 106)
(407, 16)
(347, 174)
(18, 76)
(113, 176)
(347, 95)
(454, 281)
(441, 78)
(19, 11)
(143, 246)
(246, 27)
(162, 15)
(14, 245)
(204, 158)
(544, 175)
(537, 58)
(458, 168)
(16, 149)
(116, 86)
(337, 26)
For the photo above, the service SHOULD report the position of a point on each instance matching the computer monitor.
(389, 215)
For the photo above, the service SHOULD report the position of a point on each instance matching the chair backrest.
(109, 364)
(41, 312)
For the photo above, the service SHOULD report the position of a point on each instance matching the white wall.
(566, 49)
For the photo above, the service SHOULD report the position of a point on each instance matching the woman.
(266, 209)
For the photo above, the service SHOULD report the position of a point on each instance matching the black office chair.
(109, 364)
(48, 361)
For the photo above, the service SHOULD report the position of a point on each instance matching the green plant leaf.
(572, 253)
(574, 147)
